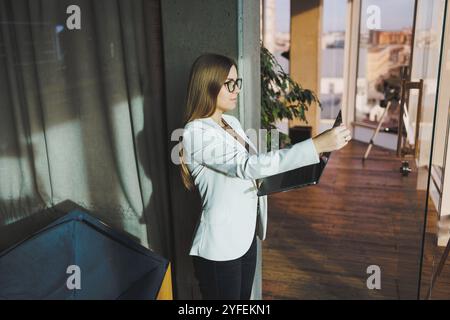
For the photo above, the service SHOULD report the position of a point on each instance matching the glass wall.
(384, 47)
(427, 52)
(431, 63)
(365, 215)
(332, 57)
(276, 37)
(276, 29)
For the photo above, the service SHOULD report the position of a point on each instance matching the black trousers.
(227, 280)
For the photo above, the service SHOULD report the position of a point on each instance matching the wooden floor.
(321, 239)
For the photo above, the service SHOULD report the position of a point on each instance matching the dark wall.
(190, 28)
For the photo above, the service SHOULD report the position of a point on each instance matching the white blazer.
(224, 173)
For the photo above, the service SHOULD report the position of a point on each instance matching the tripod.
(404, 169)
(377, 130)
(391, 92)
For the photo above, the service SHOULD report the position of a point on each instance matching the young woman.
(219, 159)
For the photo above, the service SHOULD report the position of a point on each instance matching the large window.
(332, 57)
(276, 26)
(384, 47)
(430, 63)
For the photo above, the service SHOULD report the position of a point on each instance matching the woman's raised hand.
(332, 139)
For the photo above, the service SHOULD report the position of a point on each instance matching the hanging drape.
(82, 115)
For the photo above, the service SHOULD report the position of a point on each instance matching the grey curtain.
(82, 115)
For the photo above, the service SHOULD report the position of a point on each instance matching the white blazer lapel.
(246, 138)
(229, 137)
(237, 127)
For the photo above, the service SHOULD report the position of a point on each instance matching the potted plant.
(281, 97)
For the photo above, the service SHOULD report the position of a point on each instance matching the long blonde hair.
(208, 73)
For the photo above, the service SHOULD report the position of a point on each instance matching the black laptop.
(297, 178)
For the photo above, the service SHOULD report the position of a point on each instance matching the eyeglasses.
(231, 84)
